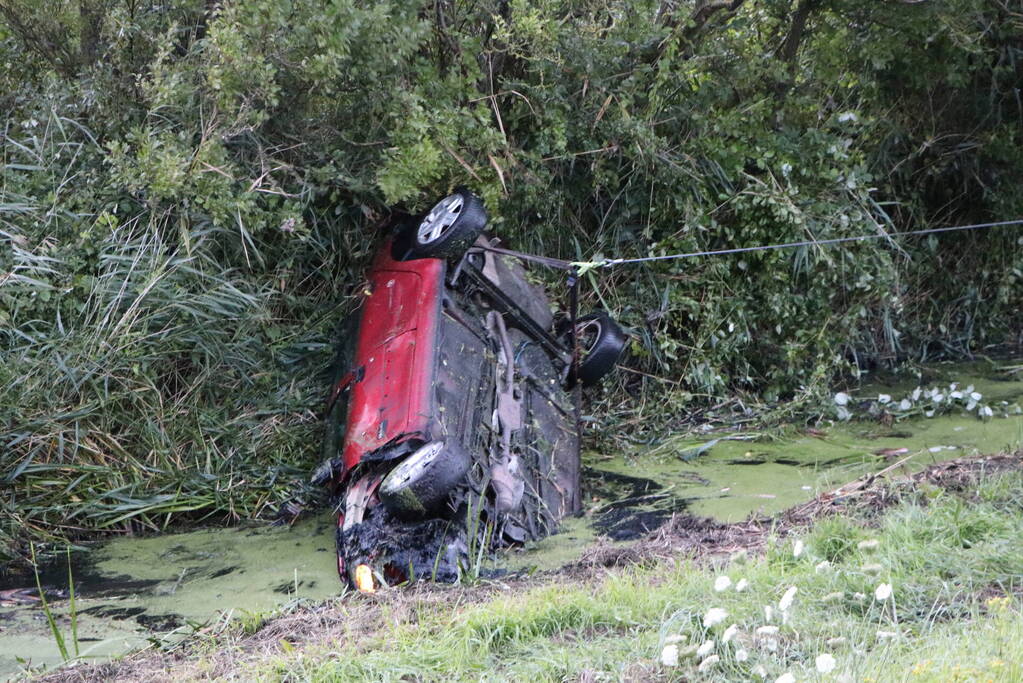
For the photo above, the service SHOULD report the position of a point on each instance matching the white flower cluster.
(718, 644)
(924, 401)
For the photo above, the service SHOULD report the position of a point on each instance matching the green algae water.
(132, 590)
(730, 476)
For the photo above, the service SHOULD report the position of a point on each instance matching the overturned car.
(452, 421)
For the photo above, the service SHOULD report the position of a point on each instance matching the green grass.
(948, 558)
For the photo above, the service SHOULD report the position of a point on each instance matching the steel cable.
(607, 263)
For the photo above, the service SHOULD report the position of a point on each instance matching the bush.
(191, 189)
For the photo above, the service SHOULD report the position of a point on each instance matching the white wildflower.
(843, 413)
(971, 405)
(975, 395)
(729, 633)
(669, 655)
(825, 663)
(883, 591)
(706, 648)
(786, 600)
(741, 584)
(797, 548)
(985, 411)
(836, 641)
(721, 583)
(708, 663)
(870, 544)
(760, 671)
(786, 168)
(938, 398)
(714, 616)
(841, 399)
(845, 117)
(741, 655)
(916, 393)
(884, 399)
(768, 613)
(785, 678)
(935, 449)
(928, 413)
(771, 644)
(955, 394)
(905, 404)
(767, 630)
(675, 638)
(822, 566)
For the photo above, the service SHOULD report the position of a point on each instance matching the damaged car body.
(452, 421)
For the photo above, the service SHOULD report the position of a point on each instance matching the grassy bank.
(948, 543)
(190, 192)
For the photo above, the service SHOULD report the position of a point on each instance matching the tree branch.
(797, 28)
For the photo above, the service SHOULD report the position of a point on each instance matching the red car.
(452, 422)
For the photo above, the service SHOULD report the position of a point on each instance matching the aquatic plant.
(51, 618)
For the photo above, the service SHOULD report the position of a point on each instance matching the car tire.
(448, 229)
(602, 342)
(424, 480)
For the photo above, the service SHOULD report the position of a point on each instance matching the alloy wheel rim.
(440, 219)
(409, 468)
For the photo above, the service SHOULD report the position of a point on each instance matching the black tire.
(424, 480)
(448, 229)
(601, 343)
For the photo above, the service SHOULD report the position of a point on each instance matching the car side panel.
(395, 355)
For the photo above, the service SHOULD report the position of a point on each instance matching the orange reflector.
(364, 579)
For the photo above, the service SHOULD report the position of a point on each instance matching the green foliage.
(190, 190)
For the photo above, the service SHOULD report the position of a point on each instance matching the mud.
(415, 550)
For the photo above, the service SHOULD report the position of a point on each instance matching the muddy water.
(134, 589)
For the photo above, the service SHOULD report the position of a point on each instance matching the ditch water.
(132, 591)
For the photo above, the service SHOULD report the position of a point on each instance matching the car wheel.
(423, 480)
(601, 343)
(449, 228)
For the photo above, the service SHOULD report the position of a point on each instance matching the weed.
(51, 618)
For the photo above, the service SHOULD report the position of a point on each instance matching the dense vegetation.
(189, 191)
